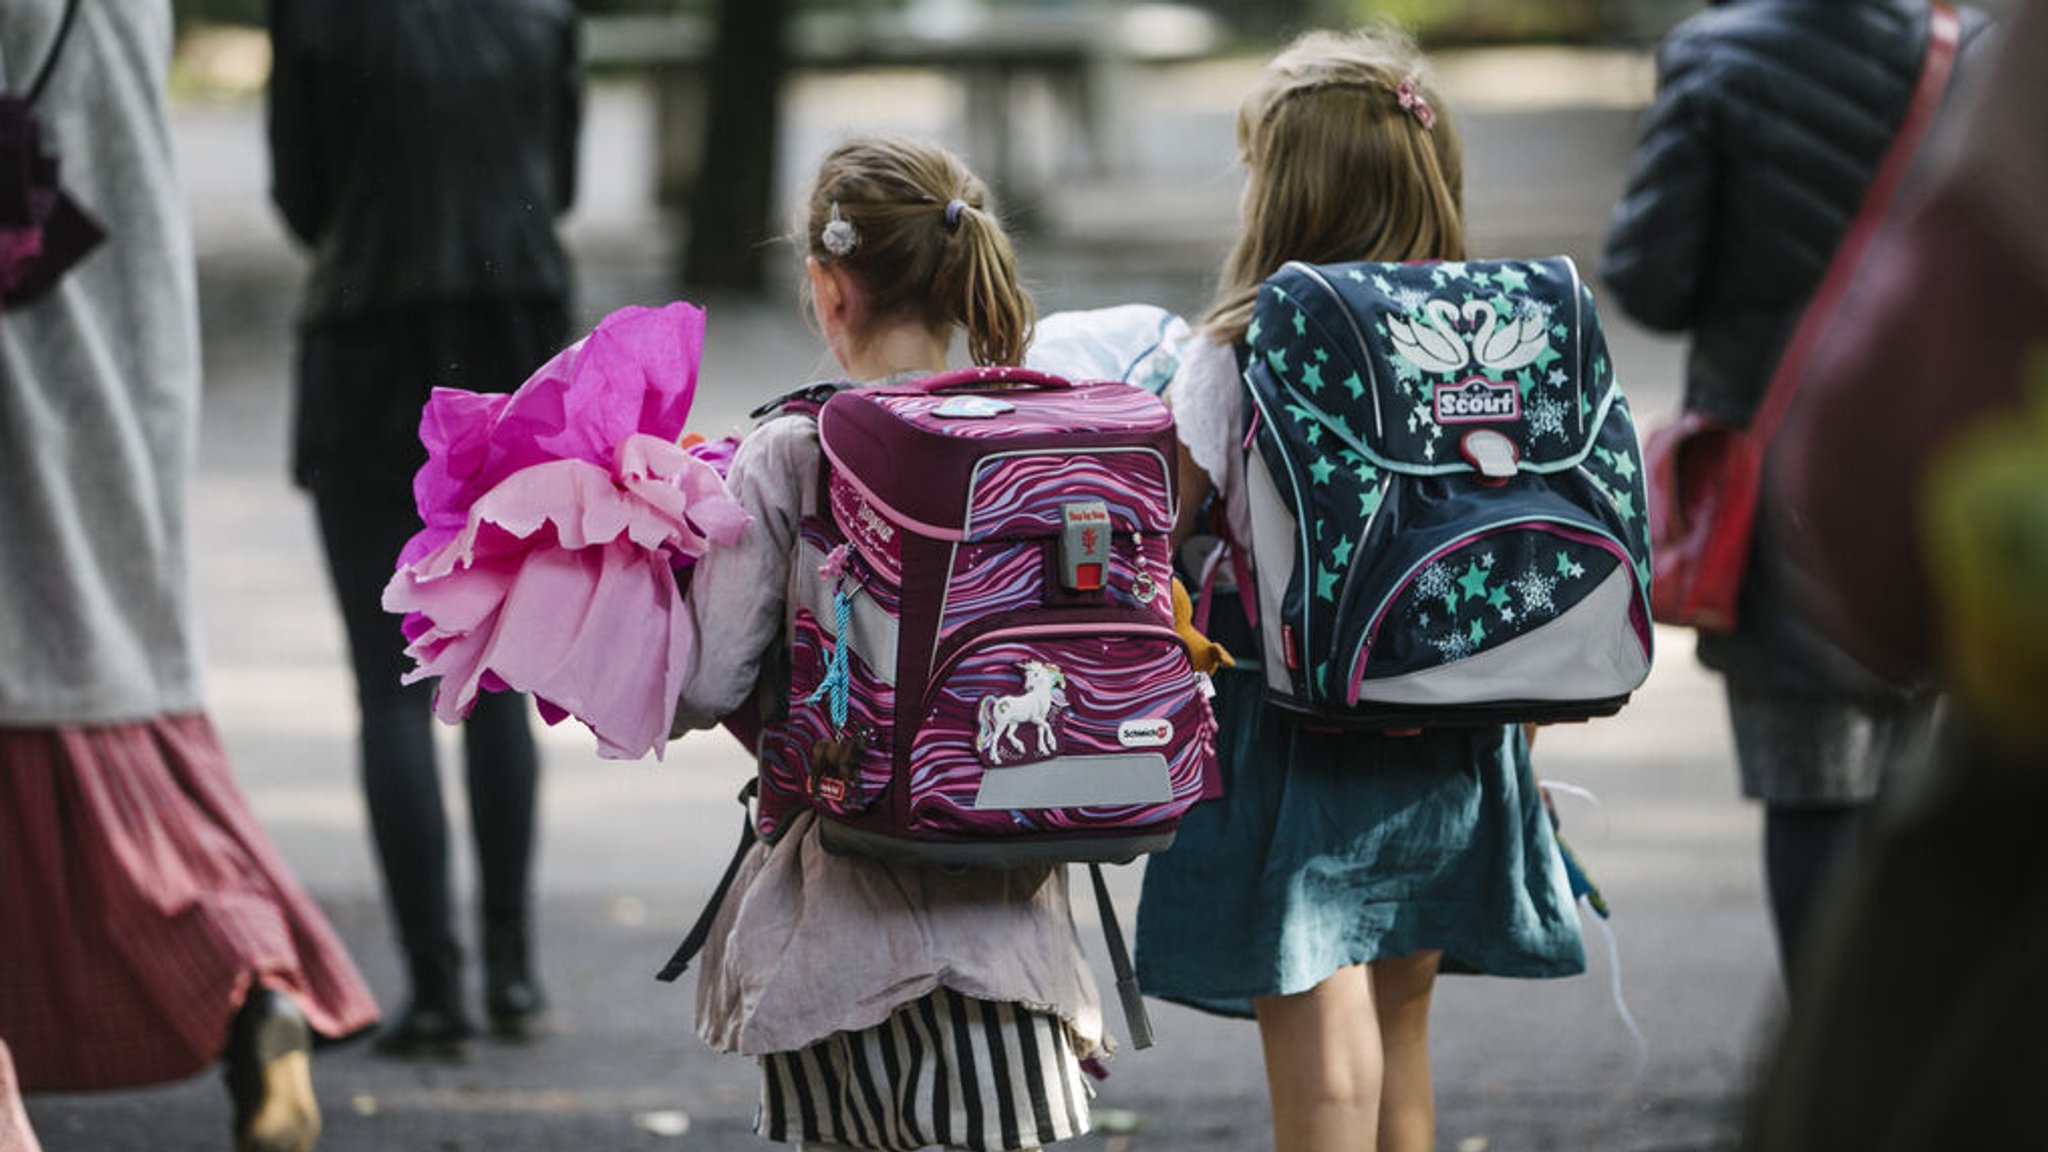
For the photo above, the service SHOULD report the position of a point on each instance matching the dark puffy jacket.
(424, 148)
(1769, 121)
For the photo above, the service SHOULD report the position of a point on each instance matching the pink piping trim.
(1356, 687)
(956, 535)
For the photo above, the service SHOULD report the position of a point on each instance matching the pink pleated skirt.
(139, 901)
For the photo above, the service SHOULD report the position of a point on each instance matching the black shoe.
(433, 1025)
(512, 997)
(426, 1031)
(269, 1072)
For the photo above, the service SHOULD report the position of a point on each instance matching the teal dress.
(1332, 850)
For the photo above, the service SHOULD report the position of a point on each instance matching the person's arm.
(1205, 396)
(1655, 254)
(735, 602)
(297, 185)
(1194, 487)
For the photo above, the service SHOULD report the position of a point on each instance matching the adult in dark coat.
(423, 150)
(1770, 119)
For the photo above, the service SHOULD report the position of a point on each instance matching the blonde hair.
(912, 251)
(1349, 155)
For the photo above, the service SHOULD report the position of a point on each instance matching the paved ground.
(631, 849)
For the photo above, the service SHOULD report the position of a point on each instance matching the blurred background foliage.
(1435, 22)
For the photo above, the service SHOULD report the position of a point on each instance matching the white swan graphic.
(1432, 344)
(1505, 348)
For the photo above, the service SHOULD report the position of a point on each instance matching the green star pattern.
(1534, 578)
(1473, 582)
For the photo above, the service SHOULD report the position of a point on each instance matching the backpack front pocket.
(1089, 728)
(1524, 610)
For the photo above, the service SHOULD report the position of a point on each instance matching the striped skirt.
(946, 1070)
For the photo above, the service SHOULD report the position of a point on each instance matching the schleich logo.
(1477, 400)
(1144, 733)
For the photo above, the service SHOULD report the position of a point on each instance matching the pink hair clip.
(1416, 104)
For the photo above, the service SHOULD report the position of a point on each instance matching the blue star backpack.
(1447, 497)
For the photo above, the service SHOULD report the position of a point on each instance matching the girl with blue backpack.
(890, 1005)
(1342, 871)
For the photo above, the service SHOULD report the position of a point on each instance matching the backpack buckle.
(1084, 545)
(1490, 452)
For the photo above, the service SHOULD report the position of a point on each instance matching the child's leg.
(1401, 992)
(1323, 1065)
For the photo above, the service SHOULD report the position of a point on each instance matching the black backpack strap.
(700, 932)
(807, 399)
(36, 86)
(804, 401)
(1127, 991)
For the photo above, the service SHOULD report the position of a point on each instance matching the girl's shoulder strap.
(804, 401)
(49, 64)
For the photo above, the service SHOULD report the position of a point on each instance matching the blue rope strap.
(838, 679)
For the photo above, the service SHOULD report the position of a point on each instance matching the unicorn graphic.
(999, 717)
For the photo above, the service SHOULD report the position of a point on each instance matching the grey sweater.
(99, 395)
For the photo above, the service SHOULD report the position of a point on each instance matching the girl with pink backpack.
(891, 1005)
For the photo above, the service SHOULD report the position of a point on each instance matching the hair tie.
(838, 235)
(953, 210)
(1416, 105)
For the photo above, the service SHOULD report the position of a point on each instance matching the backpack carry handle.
(994, 379)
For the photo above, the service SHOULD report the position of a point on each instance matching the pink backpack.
(984, 670)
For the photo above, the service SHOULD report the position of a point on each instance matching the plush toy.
(1205, 654)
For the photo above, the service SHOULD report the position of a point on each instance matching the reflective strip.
(1590, 652)
(1077, 782)
(875, 630)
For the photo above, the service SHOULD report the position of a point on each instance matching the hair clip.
(1416, 105)
(838, 235)
(953, 210)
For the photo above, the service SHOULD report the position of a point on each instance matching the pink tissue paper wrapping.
(556, 521)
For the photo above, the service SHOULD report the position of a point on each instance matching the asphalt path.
(630, 850)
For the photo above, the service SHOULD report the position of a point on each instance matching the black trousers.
(400, 772)
(356, 448)
(1804, 847)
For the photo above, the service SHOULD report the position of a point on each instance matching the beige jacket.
(808, 943)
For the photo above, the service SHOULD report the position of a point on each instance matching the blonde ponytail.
(979, 274)
(911, 224)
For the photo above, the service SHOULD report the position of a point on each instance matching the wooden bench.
(1072, 50)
